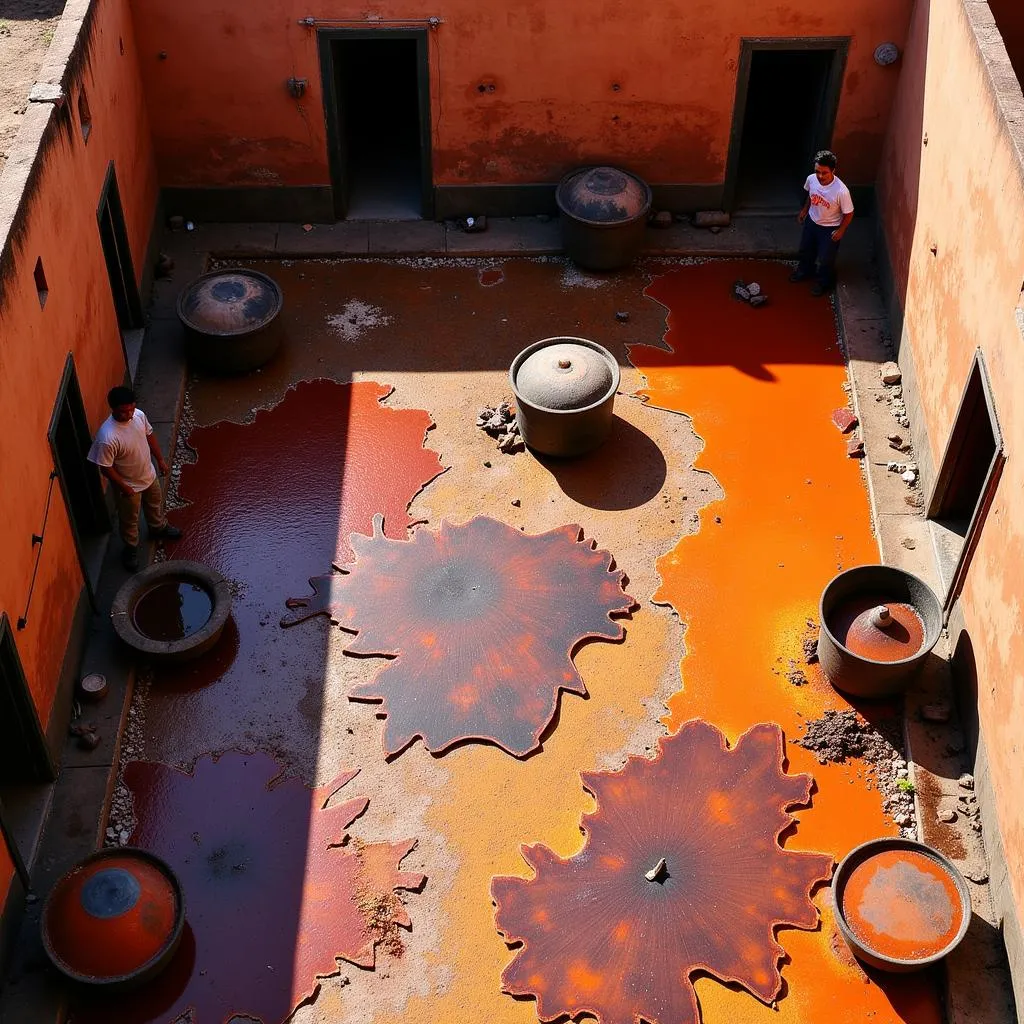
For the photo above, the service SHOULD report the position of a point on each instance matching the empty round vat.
(565, 395)
(231, 319)
(172, 610)
(603, 212)
(900, 905)
(878, 624)
(114, 920)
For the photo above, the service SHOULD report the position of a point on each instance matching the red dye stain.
(489, 278)
(272, 897)
(272, 503)
(854, 625)
(671, 888)
(902, 904)
(506, 609)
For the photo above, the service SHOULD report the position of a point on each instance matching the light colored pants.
(151, 500)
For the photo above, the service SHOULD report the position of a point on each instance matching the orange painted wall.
(964, 194)
(61, 228)
(222, 116)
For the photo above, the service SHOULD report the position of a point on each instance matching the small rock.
(903, 819)
(516, 503)
(111, 833)
(31, 898)
(977, 875)
(844, 420)
(855, 450)
(909, 543)
(123, 836)
(740, 291)
(890, 373)
(948, 815)
(937, 712)
(622, 316)
(915, 500)
(758, 300)
(487, 465)
(474, 225)
(662, 219)
(909, 476)
(976, 826)
(89, 740)
(754, 288)
(966, 781)
(718, 519)
(715, 229)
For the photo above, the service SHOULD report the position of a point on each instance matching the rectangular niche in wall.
(966, 481)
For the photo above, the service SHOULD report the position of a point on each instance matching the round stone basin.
(878, 624)
(114, 920)
(899, 904)
(172, 610)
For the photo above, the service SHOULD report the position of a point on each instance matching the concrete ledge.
(303, 203)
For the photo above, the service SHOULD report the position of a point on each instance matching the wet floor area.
(718, 509)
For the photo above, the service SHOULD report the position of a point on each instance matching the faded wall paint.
(57, 223)
(963, 193)
(215, 79)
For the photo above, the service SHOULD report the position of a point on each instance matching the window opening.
(40, 277)
(966, 481)
(84, 115)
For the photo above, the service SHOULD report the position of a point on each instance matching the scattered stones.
(622, 316)
(473, 225)
(947, 815)
(844, 420)
(749, 293)
(977, 875)
(500, 423)
(909, 477)
(796, 677)
(810, 645)
(855, 450)
(516, 503)
(890, 373)
(909, 543)
(914, 500)
(966, 781)
(940, 711)
(662, 219)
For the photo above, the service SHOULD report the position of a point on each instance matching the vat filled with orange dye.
(899, 904)
(878, 624)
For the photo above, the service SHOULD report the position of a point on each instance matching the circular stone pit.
(899, 904)
(172, 610)
(878, 624)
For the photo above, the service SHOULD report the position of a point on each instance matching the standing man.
(125, 448)
(831, 209)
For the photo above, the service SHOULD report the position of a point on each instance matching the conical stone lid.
(603, 195)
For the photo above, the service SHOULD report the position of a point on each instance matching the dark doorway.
(378, 112)
(117, 254)
(24, 756)
(79, 479)
(786, 101)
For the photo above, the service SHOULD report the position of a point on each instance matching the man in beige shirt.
(125, 448)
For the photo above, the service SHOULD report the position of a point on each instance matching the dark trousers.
(816, 246)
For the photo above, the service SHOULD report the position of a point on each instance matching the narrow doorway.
(786, 104)
(24, 755)
(79, 479)
(118, 258)
(378, 113)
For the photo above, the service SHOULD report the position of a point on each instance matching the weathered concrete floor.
(453, 956)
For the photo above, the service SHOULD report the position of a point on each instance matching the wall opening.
(79, 479)
(787, 94)
(84, 115)
(378, 115)
(42, 289)
(966, 481)
(24, 757)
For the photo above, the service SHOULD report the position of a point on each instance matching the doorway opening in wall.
(79, 479)
(377, 98)
(118, 258)
(787, 94)
(966, 482)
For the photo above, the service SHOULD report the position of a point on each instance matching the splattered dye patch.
(483, 622)
(681, 873)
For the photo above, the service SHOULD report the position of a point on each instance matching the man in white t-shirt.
(826, 215)
(125, 448)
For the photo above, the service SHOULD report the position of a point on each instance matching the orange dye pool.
(902, 904)
(851, 624)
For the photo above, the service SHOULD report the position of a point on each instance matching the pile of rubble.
(750, 293)
(500, 423)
